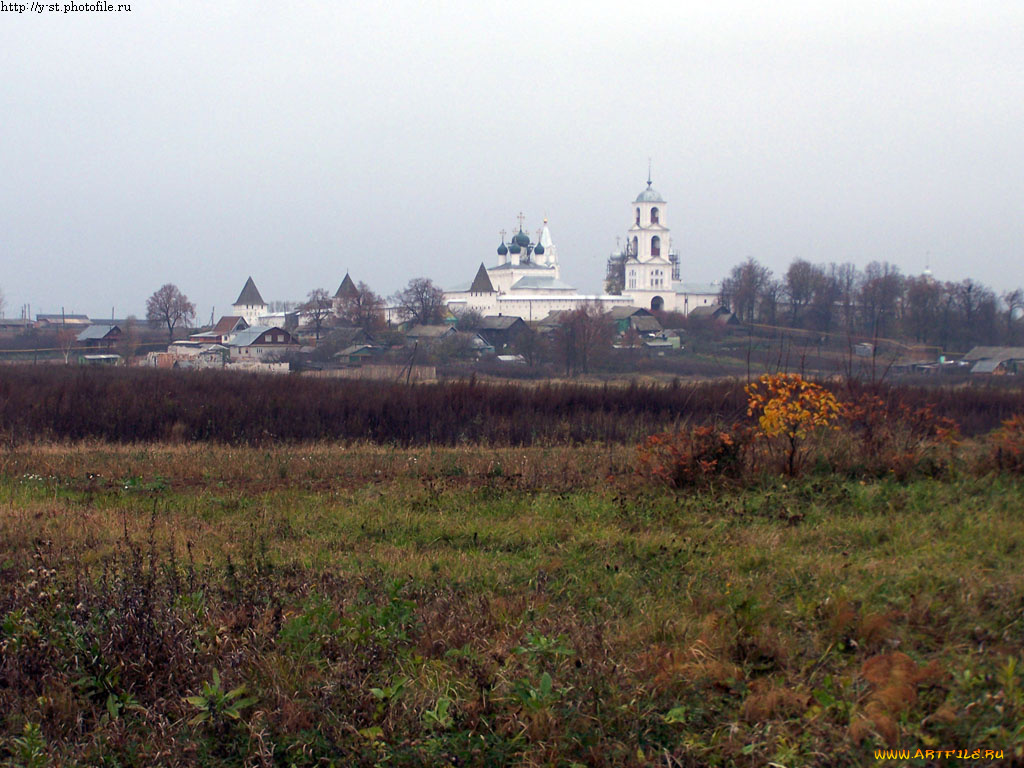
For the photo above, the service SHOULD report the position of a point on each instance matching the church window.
(636, 243)
(654, 215)
(638, 217)
(655, 246)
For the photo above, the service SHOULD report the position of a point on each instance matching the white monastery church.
(527, 281)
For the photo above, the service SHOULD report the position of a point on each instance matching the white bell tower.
(650, 267)
(649, 237)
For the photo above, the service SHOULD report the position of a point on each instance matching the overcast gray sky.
(200, 142)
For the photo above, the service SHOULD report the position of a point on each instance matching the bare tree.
(827, 293)
(921, 318)
(801, 281)
(880, 293)
(771, 293)
(457, 346)
(362, 308)
(3, 302)
(1014, 302)
(469, 320)
(318, 309)
(743, 289)
(615, 275)
(129, 341)
(847, 277)
(422, 302)
(583, 337)
(169, 306)
(66, 338)
(532, 346)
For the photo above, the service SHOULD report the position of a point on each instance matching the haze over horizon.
(200, 143)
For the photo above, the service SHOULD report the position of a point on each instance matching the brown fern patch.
(894, 680)
(869, 630)
(705, 661)
(768, 701)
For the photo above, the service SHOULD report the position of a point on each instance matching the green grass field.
(475, 606)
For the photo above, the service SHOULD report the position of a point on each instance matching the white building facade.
(526, 282)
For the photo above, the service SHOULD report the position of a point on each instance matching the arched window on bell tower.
(636, 246)
(655, 246)
(654, 215)
(638, 217)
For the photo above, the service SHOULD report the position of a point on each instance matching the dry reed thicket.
(146, 405)
(325, 603)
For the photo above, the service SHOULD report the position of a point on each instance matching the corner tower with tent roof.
(249, 305)
(347, 290)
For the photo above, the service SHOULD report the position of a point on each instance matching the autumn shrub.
(889, 435)
(1007, 445)
(694, 456)
(791, 413)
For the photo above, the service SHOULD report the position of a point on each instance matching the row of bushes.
(795, 425)
(132, 405)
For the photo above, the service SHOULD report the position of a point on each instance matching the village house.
(13, 326)
(260, 342)
(52, 322)
(714, 313)
(465, 343)
(501, 330)
(357, 354)
(428, 334)
(104, 336)
(223, 332)
(637, 318)
(995, 360)
(346, 336)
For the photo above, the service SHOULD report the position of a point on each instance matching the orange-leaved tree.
(789, 410)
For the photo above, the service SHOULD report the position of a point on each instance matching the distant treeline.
(878, 301)
(147, 405)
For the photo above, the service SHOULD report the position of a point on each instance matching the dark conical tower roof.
(347, 289)
(250, 294)
(482, 282)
